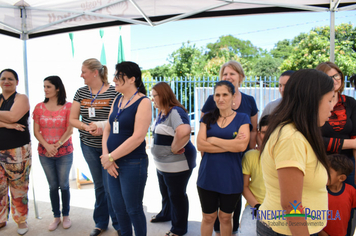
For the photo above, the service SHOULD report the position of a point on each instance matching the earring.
(233, 104)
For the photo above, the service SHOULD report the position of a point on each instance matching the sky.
(151, 46)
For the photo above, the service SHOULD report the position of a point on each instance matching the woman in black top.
(15, 151)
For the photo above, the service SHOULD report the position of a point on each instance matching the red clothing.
(341, 125)
(343, 201)
(53, 124)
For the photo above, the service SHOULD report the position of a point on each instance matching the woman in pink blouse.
(55, 148)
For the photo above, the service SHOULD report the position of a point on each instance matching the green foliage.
(187, 61)
(314, 48)
(161, 71)
(232, 45)
(267, 66)
(282, 49)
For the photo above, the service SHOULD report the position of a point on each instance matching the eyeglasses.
(119, 76)
(152, 96)
(336, 76)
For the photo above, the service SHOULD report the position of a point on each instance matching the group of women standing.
(113, 122)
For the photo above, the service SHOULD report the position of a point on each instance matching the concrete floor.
(82, 203)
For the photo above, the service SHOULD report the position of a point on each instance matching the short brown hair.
(326, 66)
(167, 99)
(341, 164)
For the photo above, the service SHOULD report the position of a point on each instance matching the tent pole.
(24, 37)
(332, 31)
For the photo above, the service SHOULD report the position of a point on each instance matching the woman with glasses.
(124, 148)
(339, 132)
(174, 156)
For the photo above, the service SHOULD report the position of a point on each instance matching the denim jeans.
(103, 207)
(127, 190)
(264, 230)
(247, 225)
(57, 173)
(175, 205)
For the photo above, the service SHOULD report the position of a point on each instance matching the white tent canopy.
(35, 18)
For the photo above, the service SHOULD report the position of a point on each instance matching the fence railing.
(193, 92)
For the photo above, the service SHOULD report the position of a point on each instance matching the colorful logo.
(298, 211)
(234, 134)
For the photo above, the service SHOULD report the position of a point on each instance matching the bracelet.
(60, 143)
(110, 158)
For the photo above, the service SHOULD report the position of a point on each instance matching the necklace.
(224, 119)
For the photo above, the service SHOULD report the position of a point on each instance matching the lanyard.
(160, 118)
(120, 110)
(91, 95)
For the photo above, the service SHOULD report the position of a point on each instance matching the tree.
(234, 46)
(267, 66)
(187, 61)
(282, 49)
(163, 71)
(314, 48)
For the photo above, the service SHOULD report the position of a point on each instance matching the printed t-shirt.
(287, 147)
(102, 105)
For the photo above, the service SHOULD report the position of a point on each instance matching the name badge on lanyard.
(91, 111)
(116, 122)
(116, 127)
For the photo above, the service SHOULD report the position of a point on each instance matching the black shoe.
(156, 219)
(96, 232)
(118, 232)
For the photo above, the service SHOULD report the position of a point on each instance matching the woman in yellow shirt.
(293, 158)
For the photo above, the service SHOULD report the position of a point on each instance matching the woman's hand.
(181, 151)
(16, 126)
(51, 149)
(95, 130)
(241, 135)
(105, 162)
(112, 170)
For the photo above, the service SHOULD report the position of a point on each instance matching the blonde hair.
(93, 64)
(236, 67)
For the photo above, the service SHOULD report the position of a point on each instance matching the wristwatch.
(110, 158)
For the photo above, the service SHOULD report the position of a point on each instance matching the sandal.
(169, 233)
(155, 219)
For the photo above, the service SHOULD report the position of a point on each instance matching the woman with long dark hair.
(55, 148)
(220, 180)
(15, 151)
(293, 157)
(174, 156)
(124, 148)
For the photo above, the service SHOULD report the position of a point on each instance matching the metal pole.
(24, 37)
(332, 32)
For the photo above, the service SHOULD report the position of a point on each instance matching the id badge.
(91, 111)
(116, 127)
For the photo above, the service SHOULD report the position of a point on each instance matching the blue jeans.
(175, 204)
(103, 207)
(127, 190)
(57, 172)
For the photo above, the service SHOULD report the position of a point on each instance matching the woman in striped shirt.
(92, 102)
